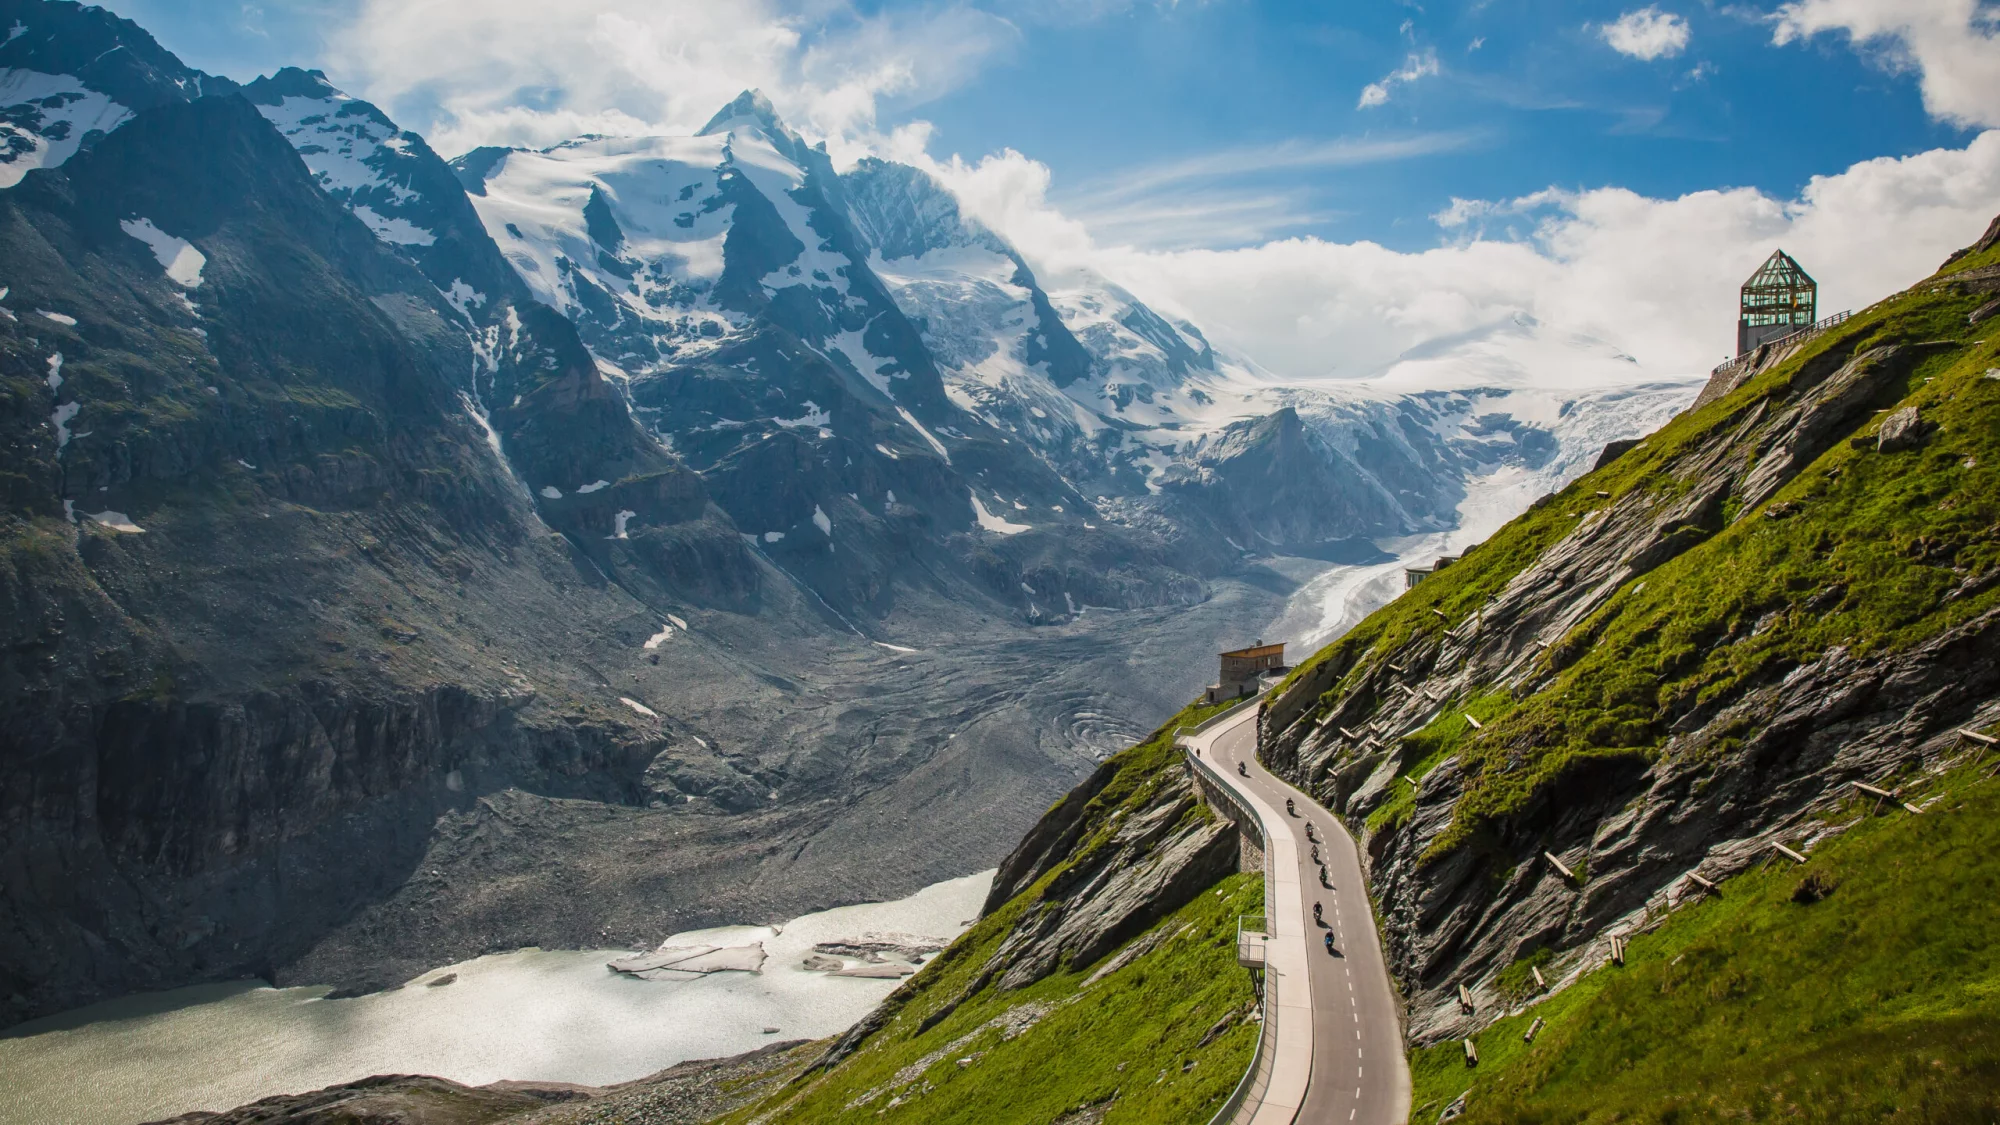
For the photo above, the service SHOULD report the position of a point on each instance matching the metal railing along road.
(1243, 1101)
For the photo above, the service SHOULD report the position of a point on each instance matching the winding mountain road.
(1358, 1073)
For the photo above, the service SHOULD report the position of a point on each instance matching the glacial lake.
(530, 1014)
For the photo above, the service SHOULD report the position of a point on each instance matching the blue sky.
(1526, 96)
(1541, 101)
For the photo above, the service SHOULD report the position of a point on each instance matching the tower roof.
(1780, 271)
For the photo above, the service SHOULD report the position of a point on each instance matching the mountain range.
(406, 558)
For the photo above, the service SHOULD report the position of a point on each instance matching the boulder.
(1904, 429)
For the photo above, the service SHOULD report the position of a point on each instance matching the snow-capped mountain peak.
(750, 109)
(356, 153)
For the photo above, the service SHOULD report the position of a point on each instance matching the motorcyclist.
(1329, 942)
(1316, 858)
(1243, 768)
(1316, 913)
(1290, 809)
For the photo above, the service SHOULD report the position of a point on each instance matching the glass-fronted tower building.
(1778, 300)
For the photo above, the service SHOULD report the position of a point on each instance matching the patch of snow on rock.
(400, 231)
(59, 318)
(812, 419)
(639, 707)
(821, 521)
(620, 520)
(994, 523)
(60, 420)
(918, 426)
(551, 492)
(55, 371)
(45, 118)
(177, 256)
(593, 486)
(117, 521)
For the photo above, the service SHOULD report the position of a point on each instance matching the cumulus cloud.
(1647, 33)
(1416, 66)
(1953, 44)
(531, 73)
(1655, 279)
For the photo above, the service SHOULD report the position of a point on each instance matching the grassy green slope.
(1876, 552)
(1879, 1001)
(1163, 1039)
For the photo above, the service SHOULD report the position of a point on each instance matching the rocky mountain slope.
(1679, 662)
(303, 680)
(405, 559)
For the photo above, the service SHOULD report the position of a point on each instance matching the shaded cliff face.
(255, 553)
(1678, 659)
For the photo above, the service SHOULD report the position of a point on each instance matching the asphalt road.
(1358, 1070)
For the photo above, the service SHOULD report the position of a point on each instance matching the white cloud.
(1193, 201)
(1416, 66)
(1955, 44)
(528, 72)
(1647, 33)
(1655, 279)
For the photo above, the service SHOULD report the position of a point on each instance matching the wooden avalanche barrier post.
(1540, 984)
(1533, 1030)
(1787, 852)
(1566, 872)
(1986, 742)
(1617, 950)
(1471, 1054)
(1465, 999)
(1702, 883)
(1882, 795)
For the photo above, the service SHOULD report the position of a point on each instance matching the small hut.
(1243, 667)
(1415, 574)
